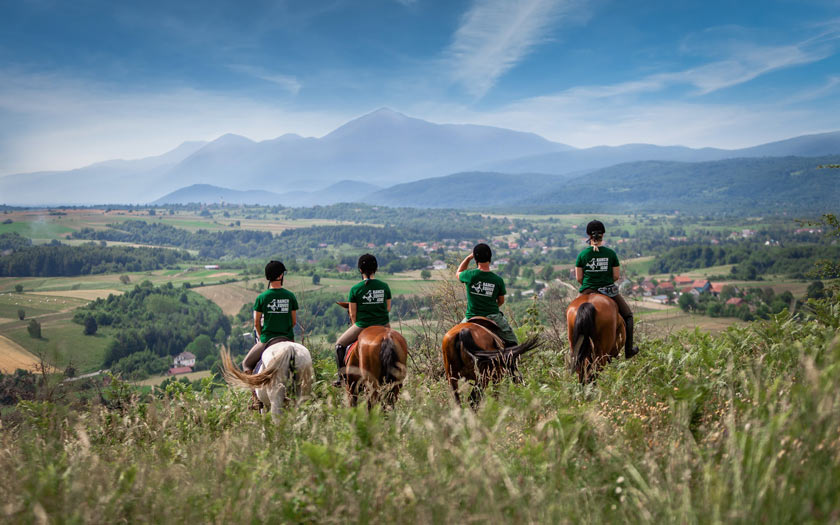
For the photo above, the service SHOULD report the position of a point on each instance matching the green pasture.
(37, 229)
(62, 342)
(34, 305)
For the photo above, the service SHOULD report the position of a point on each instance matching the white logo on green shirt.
(483, 288)
(278, 306)
(599, 264)
(374, 297)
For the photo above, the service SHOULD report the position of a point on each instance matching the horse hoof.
(630, 352)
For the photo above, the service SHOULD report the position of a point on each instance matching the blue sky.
(90, 80)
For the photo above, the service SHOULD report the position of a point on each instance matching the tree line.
(58, 260)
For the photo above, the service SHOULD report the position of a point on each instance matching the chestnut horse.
(376, 365)
(596, 334)
(473, 352)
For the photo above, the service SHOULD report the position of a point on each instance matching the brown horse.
(596, 334)
(473, 352)
(376, 365)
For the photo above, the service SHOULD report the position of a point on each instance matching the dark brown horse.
(596, 334)
(473, 352)
(376, 365)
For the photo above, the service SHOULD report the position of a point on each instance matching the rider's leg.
(253, 357)
(346, 339)
(627, 314)
(505, 331)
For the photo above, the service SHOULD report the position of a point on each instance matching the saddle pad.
(350, 350)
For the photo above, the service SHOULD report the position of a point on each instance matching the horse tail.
(235, 377)
(392, 369)
(508, 355)
(584, 347)
(466, 343)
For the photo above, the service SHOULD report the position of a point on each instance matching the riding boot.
(629, 348)
(340, 354)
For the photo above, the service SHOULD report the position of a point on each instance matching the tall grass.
(740, 427)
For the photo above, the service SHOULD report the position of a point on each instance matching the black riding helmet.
(595, 228)
(274, 270)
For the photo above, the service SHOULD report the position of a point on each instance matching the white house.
(439, 265)
(185, 359)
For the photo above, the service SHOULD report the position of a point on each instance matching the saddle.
(490, 325)
(350, 351)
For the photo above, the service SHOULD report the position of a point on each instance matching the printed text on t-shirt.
(483, 288)
(600, 264)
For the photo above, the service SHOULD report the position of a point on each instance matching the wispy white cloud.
(288, 83)
(495, 35)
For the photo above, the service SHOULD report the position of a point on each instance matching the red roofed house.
(682, 280)
(666, 286)
(179, 370)
(717, 288)
(735, 301)
(702, 285)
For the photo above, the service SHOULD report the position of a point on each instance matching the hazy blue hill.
(604, 156)
(113, 181)
(466, 190)
(751, 185)
(343, 191)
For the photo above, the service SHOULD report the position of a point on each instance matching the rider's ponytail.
(595, 239)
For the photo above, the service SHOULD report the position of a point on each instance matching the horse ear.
(344, 305)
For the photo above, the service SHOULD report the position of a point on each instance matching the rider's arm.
(294, 317)
(352, 307)
(579, 274)
(463, 266)
(500, 300)
(258, 323)
(388, 304)
(616, 273)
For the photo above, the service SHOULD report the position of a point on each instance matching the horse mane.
(584, 330)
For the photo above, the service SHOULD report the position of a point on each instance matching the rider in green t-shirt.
(597, 270)
(485, 291)
(275, 314)
(369, 305)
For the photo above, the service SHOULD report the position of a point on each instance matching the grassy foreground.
(739, 427)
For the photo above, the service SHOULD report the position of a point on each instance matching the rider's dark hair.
(482, 253)
(368, 264)
(274, 271)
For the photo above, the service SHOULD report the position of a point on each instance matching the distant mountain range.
(413, 160)
(343, 191)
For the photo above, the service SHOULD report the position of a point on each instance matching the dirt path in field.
(88, 295)
(14, 356)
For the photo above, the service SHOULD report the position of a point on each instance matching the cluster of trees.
(153, 324)
(13, 242)
(751, 259)
(59, 260)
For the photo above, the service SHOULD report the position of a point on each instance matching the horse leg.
(475, 396)
(277, 395)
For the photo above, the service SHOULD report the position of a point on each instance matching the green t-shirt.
(371, 298)
(597, 267)
(482, 290)
(276, 305)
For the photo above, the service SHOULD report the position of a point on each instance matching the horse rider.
(485, 291)
(275, 314)
(369, 305)
(597, 269)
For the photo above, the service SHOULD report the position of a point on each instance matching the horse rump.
(583, 346)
